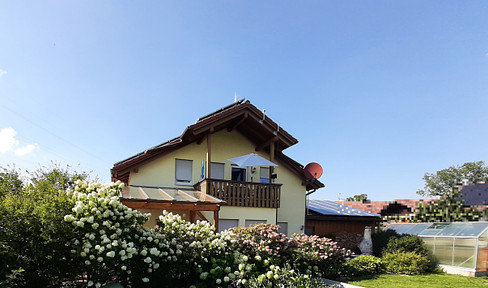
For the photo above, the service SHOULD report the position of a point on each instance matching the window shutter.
(184, 171)
(217, 170)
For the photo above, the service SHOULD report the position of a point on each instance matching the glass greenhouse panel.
(415, 228)
(430, 243)
(400, 228)
(443, 250)
(464, 252)
(464, 229)
(418, 228)
(482, 262)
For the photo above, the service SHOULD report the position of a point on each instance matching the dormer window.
(183, 172)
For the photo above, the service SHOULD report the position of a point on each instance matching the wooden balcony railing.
(242, 194)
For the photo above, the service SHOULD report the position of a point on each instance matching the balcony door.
(238, 174)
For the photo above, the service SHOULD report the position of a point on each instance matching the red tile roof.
(242, 116)
(378, 206)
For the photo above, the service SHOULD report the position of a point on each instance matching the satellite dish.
(313, 170)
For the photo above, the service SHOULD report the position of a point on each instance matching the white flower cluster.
(110, 235)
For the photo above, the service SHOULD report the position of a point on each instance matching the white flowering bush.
(110, 239)
(318, 256)
(284, 277)
(113, 246)
(311, 255)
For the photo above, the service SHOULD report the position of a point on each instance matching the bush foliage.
(364, 265)
(60, 231)
(409, 263)
(32, 231)
(407, 243)
(380, 240)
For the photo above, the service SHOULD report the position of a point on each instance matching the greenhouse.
(459, 247)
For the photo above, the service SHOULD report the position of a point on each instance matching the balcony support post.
(209, 153)
(216, 220)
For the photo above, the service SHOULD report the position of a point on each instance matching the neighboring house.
(191, 175)
(344, 224)
(474, 194)
(326, 217)
(397, 207)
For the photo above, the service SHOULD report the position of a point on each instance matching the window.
(251, 222)
(264, 178)
(283, 227)
(225, 224)
(238, 174)
(183, 172)
(217, 170)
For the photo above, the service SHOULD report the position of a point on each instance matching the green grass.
(422, 281)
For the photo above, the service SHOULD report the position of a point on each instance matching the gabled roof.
(474, 194)
(326, 207)
(241, 116)
(382, 207)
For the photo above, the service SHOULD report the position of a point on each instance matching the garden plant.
(85, 237)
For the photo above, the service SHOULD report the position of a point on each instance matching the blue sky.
(377, 92)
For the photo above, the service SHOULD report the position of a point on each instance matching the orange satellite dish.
(313, 170)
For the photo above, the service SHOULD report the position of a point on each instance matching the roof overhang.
(241, 116)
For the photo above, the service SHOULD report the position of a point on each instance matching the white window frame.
(185, 179)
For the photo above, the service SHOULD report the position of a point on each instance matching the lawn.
(424, 281)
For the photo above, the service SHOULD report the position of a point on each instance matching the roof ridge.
(220, 110)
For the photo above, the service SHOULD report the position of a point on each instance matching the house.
(397, 207)
(474, 194)
(192, 176)
(345, 224)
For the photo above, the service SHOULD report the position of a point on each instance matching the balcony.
(242, 194)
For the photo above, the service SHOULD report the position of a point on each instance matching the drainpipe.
(308, 193)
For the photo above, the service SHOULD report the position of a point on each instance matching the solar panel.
(327, 207)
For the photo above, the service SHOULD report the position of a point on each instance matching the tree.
(33, 233)
(358, 198)
(443, 183)
(10, 181)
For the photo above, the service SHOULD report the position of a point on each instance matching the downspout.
(313, 191)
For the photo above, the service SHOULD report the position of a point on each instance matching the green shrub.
(380, 240)
(406, 263)
(364, 265)
(32, 231)
(408, 243)
(411, 243)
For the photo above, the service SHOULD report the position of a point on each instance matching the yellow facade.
(225, 145)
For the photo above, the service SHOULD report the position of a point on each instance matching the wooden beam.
(200, 140)
(217, 123)
(192, 216)
(238, 122)
(271, 158)
(200, 214)
(170, 205)
(216, 220)
(271, 140)
(209, 155)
